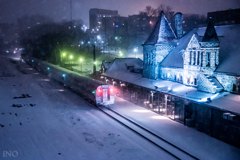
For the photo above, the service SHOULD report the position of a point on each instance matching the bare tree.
(151, 12)
(154, 12)
(166, 9)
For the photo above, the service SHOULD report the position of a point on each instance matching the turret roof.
(162, 31)
(210, 34)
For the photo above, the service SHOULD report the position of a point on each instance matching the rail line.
(151, 137)
(158, 141)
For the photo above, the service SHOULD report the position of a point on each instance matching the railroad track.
(164, 145)
(156, 140)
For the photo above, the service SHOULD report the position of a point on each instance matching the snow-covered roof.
(119, 69)
(229, 53)
(106, 64)
(174, 58)
(210, 35)
(122, 64)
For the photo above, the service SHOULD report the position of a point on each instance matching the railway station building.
(192, 78)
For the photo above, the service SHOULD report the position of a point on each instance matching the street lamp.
(71, 57)
(61, 56)
(120, 53)
(135, 50)
(81, 63)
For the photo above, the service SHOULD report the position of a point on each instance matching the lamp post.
(152, 93)
(81, 63)
(120, 53)
(94, 61)
(71, 14)
(62, 56)
(135, 50)
(71, 57)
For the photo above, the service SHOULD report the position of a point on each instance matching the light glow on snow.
(206, 98)
(179, 88)
(46, 80)
(159, 117)
(141, 111)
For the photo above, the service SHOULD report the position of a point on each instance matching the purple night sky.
(10, 10)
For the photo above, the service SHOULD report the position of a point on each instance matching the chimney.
(178, 24)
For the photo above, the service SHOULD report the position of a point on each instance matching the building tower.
(178, 18)
(210, 48)
(157, 47)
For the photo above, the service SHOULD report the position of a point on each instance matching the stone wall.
(226, 81)
(172, 74)
(205, 85)
(153, 55)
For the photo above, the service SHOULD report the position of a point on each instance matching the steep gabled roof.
(194, 42)
(162, 31)
(229, 52)
(174, 58)
(210, 34)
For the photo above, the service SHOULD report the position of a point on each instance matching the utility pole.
(71, 14)
(94, 61)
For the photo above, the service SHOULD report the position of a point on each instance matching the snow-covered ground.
(40, 119)
(190, 140)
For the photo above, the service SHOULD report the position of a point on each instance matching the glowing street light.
(98, 37)
(120, 53)
(71, 57)
(64, 54)
(135, 50)
(81, 63)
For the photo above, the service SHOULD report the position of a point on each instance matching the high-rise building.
(230, 16)
(96, 15)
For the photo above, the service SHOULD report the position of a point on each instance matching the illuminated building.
(206, 58)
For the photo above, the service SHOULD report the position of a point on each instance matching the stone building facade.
(193, 59)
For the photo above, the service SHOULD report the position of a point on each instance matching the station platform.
(189, 139)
